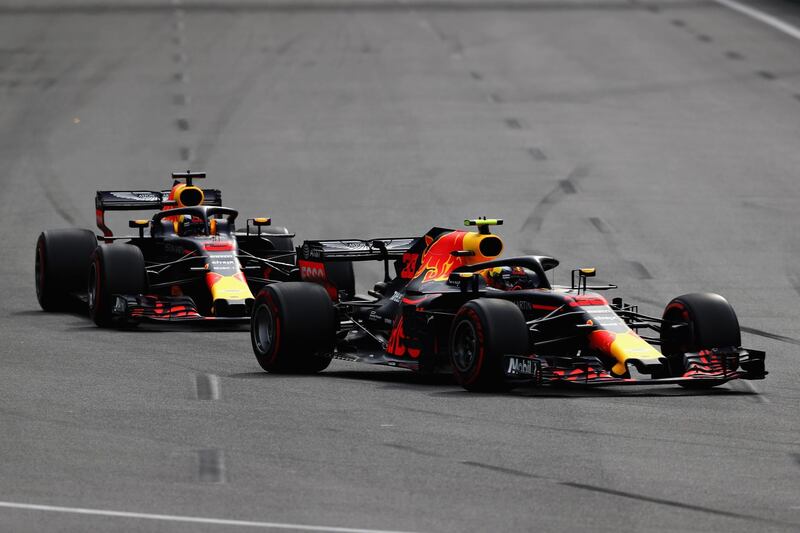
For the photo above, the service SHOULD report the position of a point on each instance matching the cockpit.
(195, 221)
(511, 278)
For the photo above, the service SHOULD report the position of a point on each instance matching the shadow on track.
(407, 380)
(80, 311)
(30, 312)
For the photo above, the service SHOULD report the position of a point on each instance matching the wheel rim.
(93, 286)
(465, 346)
(264, 330)
(39, 273)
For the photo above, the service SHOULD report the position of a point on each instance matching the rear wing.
(139, 201)
(356, 249)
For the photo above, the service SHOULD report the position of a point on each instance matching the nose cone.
(623, 347)
(231, 295)
(233, 308)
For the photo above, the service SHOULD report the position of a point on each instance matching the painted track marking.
(211, 466)
(537, 154)
(188, 519)
(206, 385)
(769, 20)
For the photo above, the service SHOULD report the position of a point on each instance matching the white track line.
(188, 519)
(778, 24)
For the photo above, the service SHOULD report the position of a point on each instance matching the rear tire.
(483, 331)
(114, 269)
(712, 324)
(62, 258)
(293, 328)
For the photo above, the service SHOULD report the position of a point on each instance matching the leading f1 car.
(185, 263)
(449, 302)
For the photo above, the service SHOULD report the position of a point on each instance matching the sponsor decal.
(398, 342)
(137, 196)
(225, 264)
(529, 306)
(119, 305)
(410, 261)
(605, 318)
(375, 317)
(312, 271)
(517, 366)
(174, 248)
(311, 253)
(218, 246)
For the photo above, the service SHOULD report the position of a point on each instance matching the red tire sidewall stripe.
(480, 339)
(269, 298)
(40, 275)
(98, 301)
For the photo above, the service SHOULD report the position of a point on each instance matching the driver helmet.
(190, 225)
(512, 278)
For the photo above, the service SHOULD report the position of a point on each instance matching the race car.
(452, 304)
(186, 262)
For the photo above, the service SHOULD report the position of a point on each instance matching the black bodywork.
(189, 250)
(574, 334)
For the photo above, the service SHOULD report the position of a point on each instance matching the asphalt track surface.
(657, 141)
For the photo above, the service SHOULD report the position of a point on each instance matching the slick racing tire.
(712, 323)
(483, 331)
(114, 269)
(62, 260)
(293, 328)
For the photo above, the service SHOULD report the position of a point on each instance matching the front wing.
(710, 366)
(145, 307)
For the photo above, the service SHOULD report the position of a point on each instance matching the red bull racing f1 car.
(186, 263)
(452, 304)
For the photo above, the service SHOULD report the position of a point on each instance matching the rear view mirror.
(582, 274)
(258, 223)
(141, 224)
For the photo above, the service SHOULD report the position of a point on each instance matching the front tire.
(293, 328)
(114, 269)
(483, 332)
(62, 259)
(712, 323)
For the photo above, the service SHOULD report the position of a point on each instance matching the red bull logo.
(622, 346)
(437, 261)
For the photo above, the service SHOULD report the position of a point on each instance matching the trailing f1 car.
(453, 304)
(186, 262)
